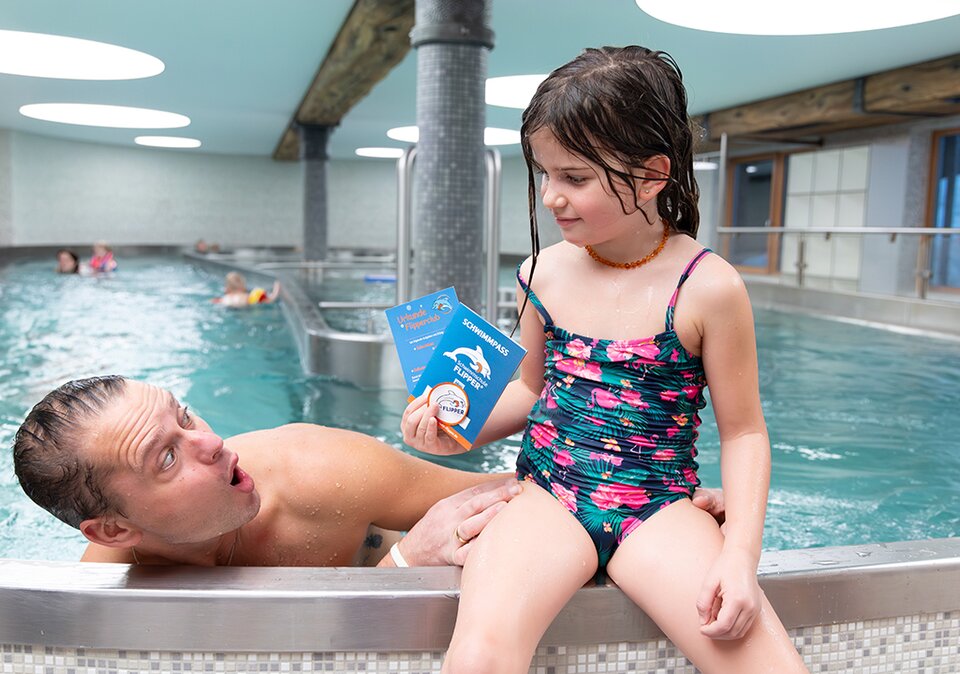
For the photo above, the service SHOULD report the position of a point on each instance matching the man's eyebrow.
(151, 442)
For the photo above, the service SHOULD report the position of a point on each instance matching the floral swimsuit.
(612, 434)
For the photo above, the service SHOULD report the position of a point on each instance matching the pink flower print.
(669, 396)
(609, 496)
(563, 458)
(632, 398)
(664, 454)
(674, 356)
(641, 441)
(603, 398)
(568, 497)
(594, 420)
(543, 435)
(620, 350)
(673, 430)
(691, 391)
(609, 458)
(690, 475)
(580, 368)
(578, 349)
(678, 488)
(627, 526)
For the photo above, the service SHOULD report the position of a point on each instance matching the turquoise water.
(861, 420)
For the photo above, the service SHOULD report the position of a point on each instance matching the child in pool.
(634, 318)
(236, 294)
(67, 262)
(102, 260)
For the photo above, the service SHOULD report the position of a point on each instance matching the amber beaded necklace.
(636, 263)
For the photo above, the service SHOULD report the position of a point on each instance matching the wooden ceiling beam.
(374, 38)
(925, 89)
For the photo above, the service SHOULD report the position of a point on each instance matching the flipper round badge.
(452, 401)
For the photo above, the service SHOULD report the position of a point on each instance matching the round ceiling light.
(116, 116)
(491, 135)
(514, 91)
(813, 17)
(167, 141)
(70, 58)
(380, 152)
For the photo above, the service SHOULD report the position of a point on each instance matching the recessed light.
(380, 152)
(812, 17)
(750, 169)
(70, 58)
(513, 91)
(167, 141)
(705, 166)
(491, 135)
(116, 116)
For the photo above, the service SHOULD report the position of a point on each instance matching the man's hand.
(711, 500)
(437, 539)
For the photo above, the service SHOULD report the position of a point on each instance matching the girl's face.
(575, 190)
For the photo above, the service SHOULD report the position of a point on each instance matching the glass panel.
(752, 182)
(945, 254)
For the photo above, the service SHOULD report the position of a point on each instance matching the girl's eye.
(168, 459)
(576, 180)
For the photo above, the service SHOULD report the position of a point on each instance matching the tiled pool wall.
(891, 607)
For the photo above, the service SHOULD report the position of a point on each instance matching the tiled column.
(313, 151)
(452, 39)
(6, 190)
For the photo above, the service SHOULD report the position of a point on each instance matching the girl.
(634, 319)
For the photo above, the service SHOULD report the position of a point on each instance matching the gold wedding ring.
(456, 532)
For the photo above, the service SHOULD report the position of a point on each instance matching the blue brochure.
(417, 326)
(470, 367)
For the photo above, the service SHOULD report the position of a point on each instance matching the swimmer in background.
(67, 262)
(102, 260)
(236, 294)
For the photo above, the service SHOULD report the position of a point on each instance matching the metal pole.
(493, 166)
(722, 183)
(404, 210)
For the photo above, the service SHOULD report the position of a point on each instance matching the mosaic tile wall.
(922, 644)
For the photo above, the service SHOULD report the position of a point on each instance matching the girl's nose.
(551, 198)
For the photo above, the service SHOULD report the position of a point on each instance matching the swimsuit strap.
(683, 277)
(538, 305)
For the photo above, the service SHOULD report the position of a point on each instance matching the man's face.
(173, 478)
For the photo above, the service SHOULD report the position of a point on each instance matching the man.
(148, 482)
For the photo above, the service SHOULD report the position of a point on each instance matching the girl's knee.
(485, 655)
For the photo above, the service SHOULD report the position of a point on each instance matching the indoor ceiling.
(240, 68)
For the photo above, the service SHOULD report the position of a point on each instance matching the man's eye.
(168, 459)
(186, 418)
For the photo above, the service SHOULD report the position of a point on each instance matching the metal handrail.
(404, 219)
(839, 230)
(493, 166)
(922, 272)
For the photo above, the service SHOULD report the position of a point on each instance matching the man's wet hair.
(47, 456)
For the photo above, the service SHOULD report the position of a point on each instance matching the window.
(945, 210)
(755, 200)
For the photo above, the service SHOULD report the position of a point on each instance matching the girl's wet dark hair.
(46, 450)
(618, 107)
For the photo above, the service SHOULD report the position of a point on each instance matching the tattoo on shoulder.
(373, 541)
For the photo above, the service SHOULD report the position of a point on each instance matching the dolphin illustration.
(477, 362)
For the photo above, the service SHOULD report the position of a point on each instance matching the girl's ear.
(653, 175)
(111, 532)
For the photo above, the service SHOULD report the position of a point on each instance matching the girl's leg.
(520, 572)
(661, 566)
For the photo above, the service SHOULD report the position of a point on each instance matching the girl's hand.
(729, 599)
(421, 429)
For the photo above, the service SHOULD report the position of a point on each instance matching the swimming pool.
(860, 419)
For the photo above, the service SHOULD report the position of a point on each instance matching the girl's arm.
(419, 423)
(730, 597)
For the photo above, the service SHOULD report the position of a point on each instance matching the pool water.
(860, 419)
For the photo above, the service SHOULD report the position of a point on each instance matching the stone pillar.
(313, 152)
(6, 190)
(452, 39)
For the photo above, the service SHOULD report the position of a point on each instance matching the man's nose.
(206, 445)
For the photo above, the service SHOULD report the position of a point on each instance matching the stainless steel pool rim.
(119, 606)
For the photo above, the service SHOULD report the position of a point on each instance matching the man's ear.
(111, 531)
(653, 176)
